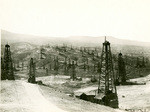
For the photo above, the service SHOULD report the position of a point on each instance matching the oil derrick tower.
(73, 74)
(8, 72)
(84, 66)
(143, 62)
(31, 72)
(65, 66)
(106, 88)
(87, 64)
(137, 63)
(98, 67)
(56, 65)
(42, 53)
(2, 69)
(121, 69)
(22, 65)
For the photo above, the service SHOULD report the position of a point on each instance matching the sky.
(124, 19)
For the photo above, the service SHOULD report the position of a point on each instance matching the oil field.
(73, 76)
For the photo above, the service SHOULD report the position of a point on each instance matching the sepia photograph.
(75, 55)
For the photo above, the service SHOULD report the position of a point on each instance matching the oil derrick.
(42, 53)
(97, 55)
(121, 69)
(84, 49)
(82, 53)
(18, 65)
(31, 72)
(146, 61)
(93, 55)
(106, 88)
(84, 66)
(98, 67)
(65, 66)
(94, 68)
(2, 69)
(68, 66)
(143, 62)
(71, 47)
(7, 64)
(88, 51)
(14, 66)
(76, 63)
(46, 71)
(50, 66)
(22, 65)
(80, 49)
(64, 48)
(95, 49)
(56, 65)
(87, 64)
(137, 63)
(73, 70)
(93, 79)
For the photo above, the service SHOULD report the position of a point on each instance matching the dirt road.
(20, 96)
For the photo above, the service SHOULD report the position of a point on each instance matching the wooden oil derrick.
(88, 51)
(18, 66)
(121, 69)
(56, 64)
(97, 55)
(64, 48)
(137, 63)
(93, 55)
(87, 64)
(95, 49)
(143, 62)
(71, 47)
(84, 49)
(31, 72)
(65, 66)
(14, 66)
(98, 67)
(73, 71)
(81, 49)
(146, 61)
(82, 53)
(94, 68)
(76, 63)
(69, 64)
(2, 69)
(93, 79)
(22, 65)
(8, 72)
(84, 66)
(50, 66)
(46, 71)
(42, 53)
(106, 87)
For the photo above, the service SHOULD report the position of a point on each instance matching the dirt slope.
(20, 96)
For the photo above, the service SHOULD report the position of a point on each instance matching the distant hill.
(73, 40)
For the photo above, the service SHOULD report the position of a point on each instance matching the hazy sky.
(129, 19)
